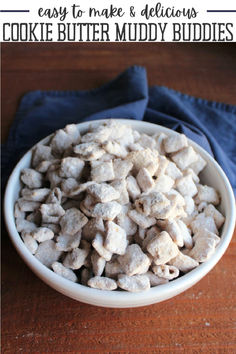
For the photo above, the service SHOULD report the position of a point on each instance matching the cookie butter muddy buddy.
(116, 208)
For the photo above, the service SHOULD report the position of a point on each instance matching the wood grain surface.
(37, 319)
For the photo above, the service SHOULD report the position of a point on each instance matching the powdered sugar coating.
(115, 208)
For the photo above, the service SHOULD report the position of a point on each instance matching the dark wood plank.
(202, 70)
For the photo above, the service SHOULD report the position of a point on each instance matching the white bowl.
(213, 175)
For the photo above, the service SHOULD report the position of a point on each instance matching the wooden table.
(35, 318)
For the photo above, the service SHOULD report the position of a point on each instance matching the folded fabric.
(210, 124)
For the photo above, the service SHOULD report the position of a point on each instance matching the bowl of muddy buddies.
(119, 213)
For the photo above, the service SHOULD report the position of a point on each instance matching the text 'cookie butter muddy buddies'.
(116, 208)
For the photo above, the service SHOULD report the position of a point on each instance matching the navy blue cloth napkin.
(212, 125)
